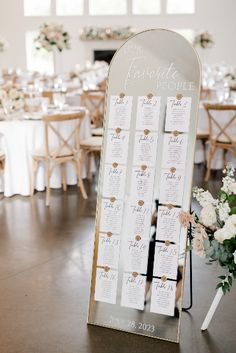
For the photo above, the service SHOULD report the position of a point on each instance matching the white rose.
(232, 188)
(221, 234)
(13, 94)
(208, 215)
(51, 35)
(230, 226)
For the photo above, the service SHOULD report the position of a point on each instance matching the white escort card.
(174, 150)
(136, 254)
(133, 291)
(145, 148)
(166, 260)
(108, 250)
(178, 113)
(168, 224)
(163, 297)
(120, 112)
(142, 182)
(106, 285)
(148, 111)
(114, 180)
(171, 186)
(138, 219)
(117, 146)
(111, 215)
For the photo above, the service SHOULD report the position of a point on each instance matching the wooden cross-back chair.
(222, 132)
(66, 149)
(94, 100)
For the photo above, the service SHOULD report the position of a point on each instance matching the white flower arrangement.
(14, 95)
(52, 36)
(204, 40)
(215, 230)
(3, 45)
(106, 33)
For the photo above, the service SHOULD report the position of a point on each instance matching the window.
(37, 7)
(186, 33)
(147, 7)
(37, 60)
(69, 7)
(107, 7)
(180, 6)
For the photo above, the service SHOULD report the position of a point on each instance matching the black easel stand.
(190, 273)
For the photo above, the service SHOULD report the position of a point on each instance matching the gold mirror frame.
(161, 63)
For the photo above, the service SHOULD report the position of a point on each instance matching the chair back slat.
(222, 123)
(94, 100)
(60, 139)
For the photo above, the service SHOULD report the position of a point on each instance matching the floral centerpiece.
(106, 33)
(12, 98)
(3, 45)
(204, 40)
(214, 235)
(52, 36)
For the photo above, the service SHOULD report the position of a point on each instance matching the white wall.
(216, 16)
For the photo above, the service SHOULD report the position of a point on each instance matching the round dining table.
(20, 135)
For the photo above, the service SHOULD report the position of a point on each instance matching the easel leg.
(190, 283)
(212, 309)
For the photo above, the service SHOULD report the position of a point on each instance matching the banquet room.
(117, 176)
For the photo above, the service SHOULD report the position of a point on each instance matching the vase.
(58, 62)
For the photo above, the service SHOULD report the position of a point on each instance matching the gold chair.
(222, 132)
(94, 100)
(67, 149)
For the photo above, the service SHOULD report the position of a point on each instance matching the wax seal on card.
(179, 96)
(138, 238)
(112, 199)
(163, 278)
(169, 206)
(146, 132)
(106, 268)
(115, 165)
(122, 95)
(149, 95)
(143, 167)
(134, 274)
(118, 130)
(167, 243)
(109, 234)
(141, 203)
(172, 169)
(175, 132)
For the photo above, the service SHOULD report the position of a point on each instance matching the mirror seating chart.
(145, 182)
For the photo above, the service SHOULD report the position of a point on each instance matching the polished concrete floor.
(45, 266)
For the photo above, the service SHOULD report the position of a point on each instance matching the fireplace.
(103, 55)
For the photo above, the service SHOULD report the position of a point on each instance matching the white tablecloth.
(203, 126)
(19, 139)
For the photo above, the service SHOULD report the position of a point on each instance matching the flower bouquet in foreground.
(214, 231)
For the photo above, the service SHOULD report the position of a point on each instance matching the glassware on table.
(59, 100)
(44, 105)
